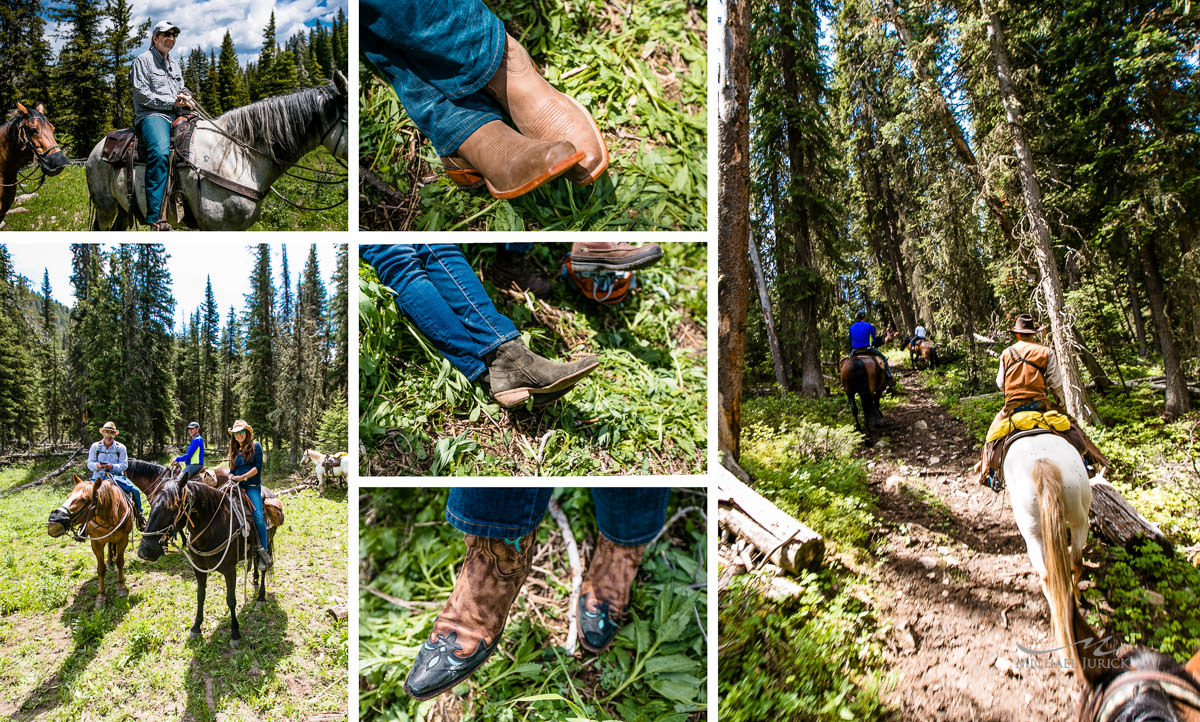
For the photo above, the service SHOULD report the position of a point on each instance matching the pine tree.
(210, 92)
(340, 42)
(268, 82)
(50, 361)
(19, 402)
(258, 380)
(24, 54)
(121, 43)
(210, 338)
(340, 310)
(83, 94)
(231, 90)
(231, 353)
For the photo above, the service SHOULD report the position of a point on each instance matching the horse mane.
(1153, 702)
(137, 467)
(281, 126)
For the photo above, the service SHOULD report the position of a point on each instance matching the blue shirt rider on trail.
(108, 458)
(194, 456)
(863, 339)
(245, 467)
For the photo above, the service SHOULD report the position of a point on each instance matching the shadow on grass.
(88, 626)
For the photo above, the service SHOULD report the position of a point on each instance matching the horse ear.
(96, 485)
(22, 109)
(340, 82)
(40, 108)
(1193, 666)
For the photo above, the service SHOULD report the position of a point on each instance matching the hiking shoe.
(513, 269)
(468, 630)
(605, 592)
(992, 481)
(265, 561)
(515, 373)
(613, 256)
(508, 163)
(160, 226)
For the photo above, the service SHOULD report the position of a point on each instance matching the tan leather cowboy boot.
(605, 592)
(515, 373)
(613, 255)
(469, 627)
(540, 111)
(508, 162)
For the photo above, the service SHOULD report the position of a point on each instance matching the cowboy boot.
(138, 519)
(605, 592)
(509, 163)
(515, 373)
(613, 255)
(512, 268)
(540, 111)
(467, 631)
(265, 561)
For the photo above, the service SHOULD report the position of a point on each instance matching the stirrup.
(993, 481)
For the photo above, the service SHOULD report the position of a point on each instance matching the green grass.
(639, 68)
(641, 412)
(62, 203)
(62, 660)
(655, 669)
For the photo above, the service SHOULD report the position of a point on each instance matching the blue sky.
(203, 23)
(228, 264)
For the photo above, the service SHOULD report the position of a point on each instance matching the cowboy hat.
(240, 425)
(110, 426)
(1025, 324)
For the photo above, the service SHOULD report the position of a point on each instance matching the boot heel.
(461, 173)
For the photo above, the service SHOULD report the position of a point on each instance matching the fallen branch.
(676, 517)
(338, 612)
(564, 526)
(47, 477)
(1116, 521)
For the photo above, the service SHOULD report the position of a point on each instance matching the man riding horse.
(863, 340)
(1027, 370)
(918, 335)
(108, 458)
(194, 456)
(158, 97)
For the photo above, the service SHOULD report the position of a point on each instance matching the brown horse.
(27, 136)
(1141, 684)
(104, 517)
(923, 351)
(863, 375)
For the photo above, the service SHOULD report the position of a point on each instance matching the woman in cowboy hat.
(245, 465)
(108, 457)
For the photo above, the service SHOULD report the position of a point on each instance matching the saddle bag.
(120, 146)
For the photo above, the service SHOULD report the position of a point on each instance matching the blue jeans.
(155, 134)
(438, 290)
(127, 486)
(260, 522)
(437, 55)
(192, 469)
(628, 517)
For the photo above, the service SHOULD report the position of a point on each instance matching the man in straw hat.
(107, 457)
(1027, 371)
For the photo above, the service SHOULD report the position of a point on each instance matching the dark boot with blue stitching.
(605, 592)
(468, 630)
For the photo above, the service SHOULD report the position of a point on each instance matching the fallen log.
(47, 477)
(784, 540)
(1115, 521)
(338, 612)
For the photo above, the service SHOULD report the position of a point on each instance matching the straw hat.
(240, 425)
(110, 426)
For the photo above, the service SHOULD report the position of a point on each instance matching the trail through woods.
(956, 582)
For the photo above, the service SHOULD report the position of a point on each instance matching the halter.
(1129, 684)
(88, 512)
(25, 142)
(168, 532)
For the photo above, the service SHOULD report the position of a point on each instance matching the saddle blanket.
(1026, 420)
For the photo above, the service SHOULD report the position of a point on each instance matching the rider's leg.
(260, 523)
(155, 134)
(887, 369)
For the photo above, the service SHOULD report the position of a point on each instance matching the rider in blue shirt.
(194, 456)
(108, 458)
(863, 340)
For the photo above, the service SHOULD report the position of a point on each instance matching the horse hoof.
(122, 592)
(234, 643)
(193, 635)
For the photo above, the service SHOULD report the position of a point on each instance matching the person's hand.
(184, 100)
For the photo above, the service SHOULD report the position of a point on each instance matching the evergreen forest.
(279, 362)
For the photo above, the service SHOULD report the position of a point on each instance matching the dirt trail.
(955, 582)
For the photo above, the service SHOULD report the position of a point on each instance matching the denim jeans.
(127, 486)
(155, 134)
(438, 290)
(260, 523)
(192, 469)
(628, 517)
(437, 55)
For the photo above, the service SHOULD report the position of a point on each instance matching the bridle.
(184, 509)
(1127, 685)
(25, 142)
(86, 516)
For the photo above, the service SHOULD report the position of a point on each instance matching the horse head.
(168, 512)
(1141, 685)
(74, 511)
(336, 140)
(35, 133)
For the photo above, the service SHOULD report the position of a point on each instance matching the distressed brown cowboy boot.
(467, 631)
(515, 373)
(605, 592)
(509, 163)
(540, 111)
(613, 255)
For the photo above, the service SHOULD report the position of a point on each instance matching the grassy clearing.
(641, 412)
(62, 660)
(655, 669)
(639, 68)
(62, 204)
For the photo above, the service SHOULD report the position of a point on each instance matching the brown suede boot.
(515, 373)
(613, 255)
(508, 162)
(605, 592)
(540, 111)
(467, 631)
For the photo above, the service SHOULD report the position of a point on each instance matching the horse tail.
(1048, 482)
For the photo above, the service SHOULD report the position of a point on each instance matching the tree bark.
(733, 228)
(1139, 322)
(1177, 400)
(1075, 396)
(765, 301)
(786, 542)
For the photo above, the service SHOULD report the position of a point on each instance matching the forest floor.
(956, 580)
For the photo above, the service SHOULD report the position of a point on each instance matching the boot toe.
(597, 628)
(437, 668)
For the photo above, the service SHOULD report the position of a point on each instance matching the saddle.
(272, 505)
(332, 461)
(123, 149)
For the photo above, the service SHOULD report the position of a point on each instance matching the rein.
(185, 510)
(1128, 685)
(24, 142)
(88, 514)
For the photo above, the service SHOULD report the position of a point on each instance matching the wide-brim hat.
(1025, 324)
(110, 426)
(240, 425)
(166, 26)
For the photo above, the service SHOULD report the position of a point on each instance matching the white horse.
(1051, 495)
(341, 468)
(236, 158)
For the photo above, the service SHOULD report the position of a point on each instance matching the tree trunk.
(733, 230)
(1139, 322)
(1075, 396)
(765, 300)
(1177, 400)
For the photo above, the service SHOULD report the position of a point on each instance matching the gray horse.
(246, 150)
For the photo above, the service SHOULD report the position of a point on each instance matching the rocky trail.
(954, 580)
